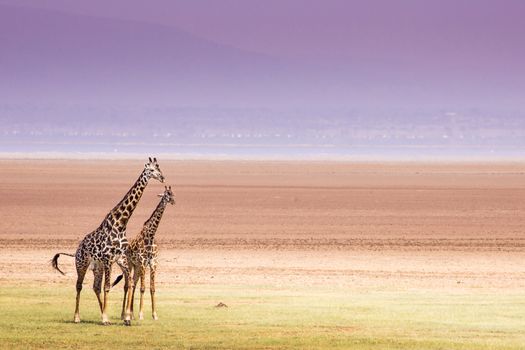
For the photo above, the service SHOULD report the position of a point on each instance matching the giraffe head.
(167, 195)
(151, 168)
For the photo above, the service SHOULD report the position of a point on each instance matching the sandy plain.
(455, 227)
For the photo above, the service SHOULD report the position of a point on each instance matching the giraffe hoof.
(106, 323)
(155, 317)
(141, 316)
(127, 323)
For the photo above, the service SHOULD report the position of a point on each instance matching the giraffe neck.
(153, 222)
(118, 216)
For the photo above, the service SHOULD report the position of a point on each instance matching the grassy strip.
(40, 317)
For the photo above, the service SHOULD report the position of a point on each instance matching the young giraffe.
(108, 244)
(142, 253)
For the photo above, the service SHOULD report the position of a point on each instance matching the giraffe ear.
(169, 188)
(160, 195)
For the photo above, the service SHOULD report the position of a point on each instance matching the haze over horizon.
(348, 75)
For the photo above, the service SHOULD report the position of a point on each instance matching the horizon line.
(259, 158)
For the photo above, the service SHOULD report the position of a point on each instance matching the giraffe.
(142, 253)
(108, 244)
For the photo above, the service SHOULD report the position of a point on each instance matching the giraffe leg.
(127, 316)
(136, 276)
(107, 287)
(125, 270)
(142, 290)
(123, 312)
(153, 272)
(98, 274)
(82, 266)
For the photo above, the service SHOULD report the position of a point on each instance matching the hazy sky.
(326, 28)
(342, 52)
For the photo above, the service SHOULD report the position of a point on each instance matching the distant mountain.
(47, 55)
(431, 61)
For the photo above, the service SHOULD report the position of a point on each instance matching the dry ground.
(400, 226)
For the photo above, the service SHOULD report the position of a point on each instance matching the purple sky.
(407, 53)
(302, 28)
(299, 28)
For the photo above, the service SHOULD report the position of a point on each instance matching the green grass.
(266, 318)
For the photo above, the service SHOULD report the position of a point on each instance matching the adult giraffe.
(108, 244)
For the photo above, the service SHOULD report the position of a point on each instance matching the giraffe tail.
(54, 261)
(117, 280)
